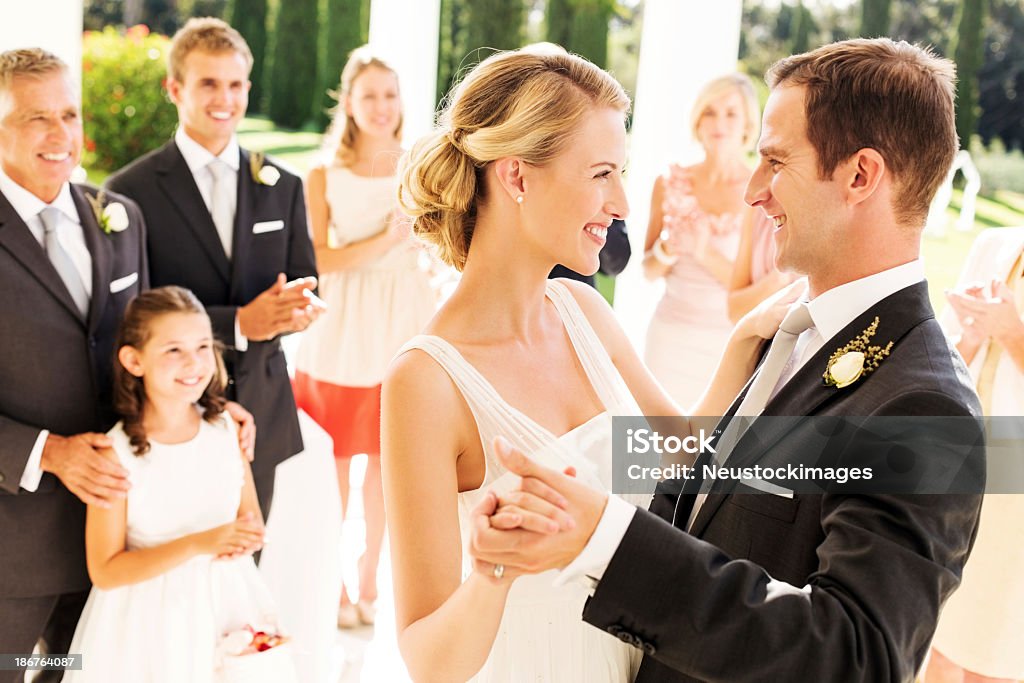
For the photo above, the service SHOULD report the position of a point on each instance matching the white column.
(405, 33)
(54, 25)
(685, 43)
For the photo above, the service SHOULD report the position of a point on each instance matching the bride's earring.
(519, 199)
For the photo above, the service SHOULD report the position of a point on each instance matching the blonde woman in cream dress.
(980, 637)
(377, 294)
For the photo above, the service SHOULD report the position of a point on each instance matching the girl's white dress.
(542, 637)
(166, 629)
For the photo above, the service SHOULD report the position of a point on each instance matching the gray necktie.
(61, 261)
(221, 205)
(796, 322)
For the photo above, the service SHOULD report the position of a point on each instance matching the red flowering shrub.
(125, 108)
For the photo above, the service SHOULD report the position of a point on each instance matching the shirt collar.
(197, 156)
(833, 310)
(28, 206)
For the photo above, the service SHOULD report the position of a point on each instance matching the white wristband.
(663, 257)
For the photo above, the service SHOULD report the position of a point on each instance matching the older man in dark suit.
(840, 585)
(69, 263)
(230, 226)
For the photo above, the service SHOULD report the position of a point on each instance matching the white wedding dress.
(542, 637)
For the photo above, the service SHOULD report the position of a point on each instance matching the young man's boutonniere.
(113, 217)
(261, 173)
(856, 359)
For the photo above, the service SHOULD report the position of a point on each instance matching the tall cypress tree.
(293, 74)
(558, 22)
(803, 25)
(450, 46)
(344, 28)
(494, 24)
(589, 34)
(968, 52)
(874, 18)
(249, 17)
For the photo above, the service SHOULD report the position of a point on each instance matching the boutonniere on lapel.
(111, 217)
(856, 359)
(263, 174)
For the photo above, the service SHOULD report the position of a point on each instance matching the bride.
(524, 173)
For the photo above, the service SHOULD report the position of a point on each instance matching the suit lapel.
(806, 394)
(102, 254)
(247, 195)
(176, 181)
(17, 238)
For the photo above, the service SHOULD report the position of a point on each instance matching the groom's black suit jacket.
(184, 249)
(867, 574)
(55, 371)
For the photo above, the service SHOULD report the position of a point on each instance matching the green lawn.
(943, 257)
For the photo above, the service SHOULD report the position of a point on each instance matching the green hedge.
(125, 109)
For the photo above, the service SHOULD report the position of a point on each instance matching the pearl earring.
(519, 199)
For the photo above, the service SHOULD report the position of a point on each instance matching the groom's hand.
(541, 491)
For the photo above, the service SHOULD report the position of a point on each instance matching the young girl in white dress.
(171, 563)
(524, 172)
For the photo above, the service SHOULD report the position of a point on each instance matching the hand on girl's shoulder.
(121, 452)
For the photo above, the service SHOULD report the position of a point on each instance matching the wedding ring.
(499, 571)
(969, 320)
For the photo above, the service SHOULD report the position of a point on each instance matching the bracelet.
(662, 256)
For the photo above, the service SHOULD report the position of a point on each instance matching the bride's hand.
(764, 320)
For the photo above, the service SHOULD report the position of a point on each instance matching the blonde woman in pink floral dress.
(697, 213)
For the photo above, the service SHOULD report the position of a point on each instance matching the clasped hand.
(543, 523)
(282, 308)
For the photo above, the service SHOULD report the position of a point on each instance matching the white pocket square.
(267, 226)
(123, 283)
(768, 487)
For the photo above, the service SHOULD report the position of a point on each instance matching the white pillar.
(54, 25)
(405, 33)
(685, 43)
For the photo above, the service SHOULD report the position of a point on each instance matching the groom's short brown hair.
(209, 35)
(889, 96)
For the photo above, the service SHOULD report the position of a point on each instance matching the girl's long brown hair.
(129, 392)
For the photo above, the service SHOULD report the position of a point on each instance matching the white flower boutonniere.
(855, 359)
(262, 174)
(111, 217)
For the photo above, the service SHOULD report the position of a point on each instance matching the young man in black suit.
(69, 263)
(231, 226)
(718, 585)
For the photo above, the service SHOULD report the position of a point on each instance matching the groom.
(857, 136)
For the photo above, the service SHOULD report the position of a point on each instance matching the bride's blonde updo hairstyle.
(526, 103)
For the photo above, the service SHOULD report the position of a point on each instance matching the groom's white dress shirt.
(198, 160)
(831, 311)
(72, 239)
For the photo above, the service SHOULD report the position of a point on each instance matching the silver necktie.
(62, 263)
(796, 322)
(221, 205)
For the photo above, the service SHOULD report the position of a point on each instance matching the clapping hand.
(544, 523)
(399, 228)
(84, 465)
(282, 308)
(983, 317)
